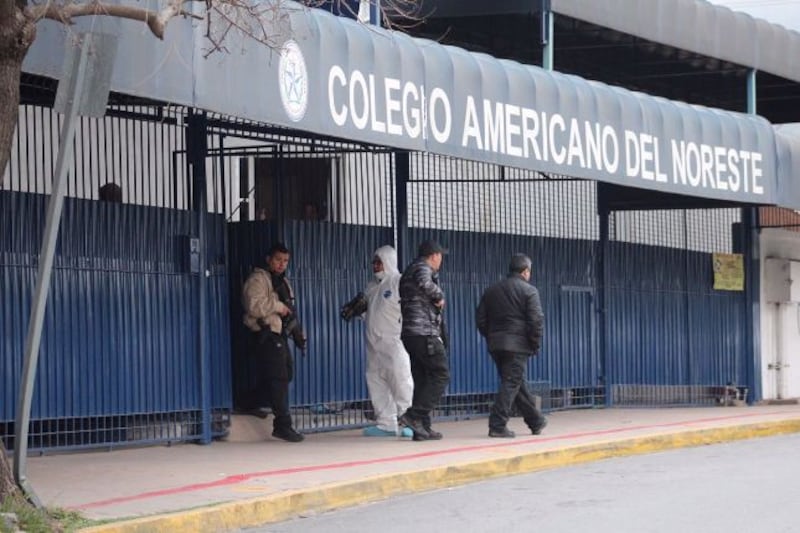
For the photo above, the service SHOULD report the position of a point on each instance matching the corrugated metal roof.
(696, 26)
(787, 140)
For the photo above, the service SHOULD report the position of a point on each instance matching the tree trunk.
(8, 487)
(17, 32)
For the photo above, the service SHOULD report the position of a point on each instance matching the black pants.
(431, 372)
(272, 364)
(511, 367)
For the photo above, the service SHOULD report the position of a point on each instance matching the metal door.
(575, 369)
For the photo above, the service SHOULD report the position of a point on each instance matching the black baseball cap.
(427, 248)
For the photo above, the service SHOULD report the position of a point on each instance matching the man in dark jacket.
(510, 317)
(424, 337)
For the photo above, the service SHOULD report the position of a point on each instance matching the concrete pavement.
(253, 479)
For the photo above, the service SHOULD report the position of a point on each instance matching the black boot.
(288, 434)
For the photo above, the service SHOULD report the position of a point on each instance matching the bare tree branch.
(155, 20)
(259, 21)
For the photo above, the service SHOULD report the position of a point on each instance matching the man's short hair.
(430, 247)
(519, 263)
(278, 248)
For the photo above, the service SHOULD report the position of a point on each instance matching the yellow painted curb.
(279, 507)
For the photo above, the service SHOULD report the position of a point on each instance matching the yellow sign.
(728, 272)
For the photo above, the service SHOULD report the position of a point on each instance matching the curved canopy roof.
(338, 77)
(696, 26)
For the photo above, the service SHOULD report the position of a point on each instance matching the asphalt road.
(734, 487)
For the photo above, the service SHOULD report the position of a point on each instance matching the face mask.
(380, 275)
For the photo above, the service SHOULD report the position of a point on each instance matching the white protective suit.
(388, 366)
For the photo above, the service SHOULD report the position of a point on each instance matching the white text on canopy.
(390, 106)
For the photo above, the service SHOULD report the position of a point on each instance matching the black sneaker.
(433, 434)
(504, 433)
(287, 434)
(537, 429)
(416, 426)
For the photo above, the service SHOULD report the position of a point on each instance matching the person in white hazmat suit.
(388, 366)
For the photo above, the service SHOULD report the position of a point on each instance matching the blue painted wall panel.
(667, 325)
(475, 261)
(120, 333)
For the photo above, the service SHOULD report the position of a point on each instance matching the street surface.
(741, 486)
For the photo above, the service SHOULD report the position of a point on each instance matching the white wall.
(780, 323)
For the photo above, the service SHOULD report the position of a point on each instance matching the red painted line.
(238, 478)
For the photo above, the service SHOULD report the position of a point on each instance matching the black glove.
(444, 334)
(299, 338)
(355, 307)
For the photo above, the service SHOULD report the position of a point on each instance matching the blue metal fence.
(119, 360)
(673, 339)
(561, 269)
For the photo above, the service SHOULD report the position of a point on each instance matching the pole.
(547, 34)
(53, 221)
(197, 141)
(401, 174)
(752, 261)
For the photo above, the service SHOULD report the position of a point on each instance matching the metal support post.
(197, 142)
(401, 172)
(547, 34)
(601, 281)
(34, 337)
(752, 261)
(751, 91)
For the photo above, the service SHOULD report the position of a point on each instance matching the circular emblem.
(293, 81)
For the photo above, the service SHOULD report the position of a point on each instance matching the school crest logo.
(293, 81)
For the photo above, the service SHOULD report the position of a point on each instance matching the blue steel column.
(401, 174)
(601, 282)
(752, 263)
(279, 230)
(375, 13)
(547, 35)
(197, 143)
(687, 304)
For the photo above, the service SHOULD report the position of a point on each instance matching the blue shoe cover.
(406, 432)
(375, 431)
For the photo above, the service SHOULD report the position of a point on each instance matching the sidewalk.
(253, 479)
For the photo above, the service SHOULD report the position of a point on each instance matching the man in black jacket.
(510, 317)
(424, 337)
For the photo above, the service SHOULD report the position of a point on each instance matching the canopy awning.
(696, 26)
(787, 137)
(335, 76)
